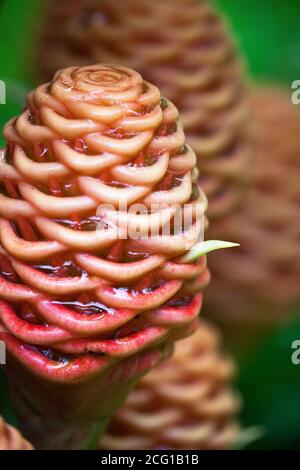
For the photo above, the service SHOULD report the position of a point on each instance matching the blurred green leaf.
(19, 26)
(270, 386)
(269, 35)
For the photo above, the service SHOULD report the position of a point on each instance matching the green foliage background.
(268, 34)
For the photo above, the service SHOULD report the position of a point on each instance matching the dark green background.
(268, 33)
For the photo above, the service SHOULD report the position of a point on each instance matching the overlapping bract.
(185, 403)
(76, 296)
(184, 48)
(260, 281)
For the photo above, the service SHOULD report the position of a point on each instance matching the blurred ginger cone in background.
(185, 403)
(183, 47)
(260, 281)
(11, 439)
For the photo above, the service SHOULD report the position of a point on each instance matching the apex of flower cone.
(11, 439)
(183, 47)
(260, 281)
(185, 403)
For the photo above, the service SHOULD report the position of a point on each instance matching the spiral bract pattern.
(185, 403)
(184, 48)
(259, 283)
(79, 290)
(11, 439)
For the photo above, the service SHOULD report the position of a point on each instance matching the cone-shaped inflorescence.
(185, 403)
(183, 47)
(259, 283)
(11, 439)
(92, 292)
